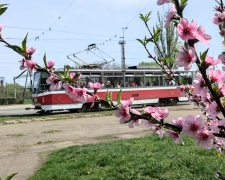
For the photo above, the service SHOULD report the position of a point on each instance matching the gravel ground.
(24, 145)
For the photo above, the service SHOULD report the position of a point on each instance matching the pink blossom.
(216, 75)
(123, 113)
(169, 76)
(187, 31)
(170, 16)
(134, 122)
(176, 137)
(177, 122)
(160, 114)
(222, 58)
(219, 18)
(199, 85)
(204, 138)
(31, 50)
(157, 129)
(56, 84)
(222, 32)
(210, 61)
(96, 85)
(147, 123)
(23, 64)
(1, 26)
(127, 102)
(80, 94)
(149, 109)
(182, 90)
(186, 57)
(73, 74)
(31, 65)
(202, 37)
(50, 64)
(213, 110)
(94, 98)
(207, 100)
(192, 125)
(161, 2)
(68, 89)
(222, 88)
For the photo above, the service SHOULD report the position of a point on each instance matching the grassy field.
(144, 158)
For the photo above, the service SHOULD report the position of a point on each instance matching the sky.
(84, 22)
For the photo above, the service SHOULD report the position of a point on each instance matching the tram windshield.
(36, 82)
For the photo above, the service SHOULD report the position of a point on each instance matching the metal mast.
(123, 42)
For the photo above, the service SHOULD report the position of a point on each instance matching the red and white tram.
(145, 85)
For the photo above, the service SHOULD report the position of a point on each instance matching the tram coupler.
(29, 108)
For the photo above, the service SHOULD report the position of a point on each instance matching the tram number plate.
(35, 100)
(135, 95)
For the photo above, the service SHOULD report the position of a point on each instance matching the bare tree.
(168, 42)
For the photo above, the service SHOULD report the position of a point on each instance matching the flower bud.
(222, 32)
(1, 26)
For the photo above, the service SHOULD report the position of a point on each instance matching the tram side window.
(43, 85)
(186, 80)
(113, 80)
(156, 81)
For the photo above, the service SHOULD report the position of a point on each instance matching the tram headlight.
(35, 100)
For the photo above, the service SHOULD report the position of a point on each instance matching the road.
(24, 141)
(16, 110)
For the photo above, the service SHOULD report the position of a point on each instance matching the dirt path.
(23, 144)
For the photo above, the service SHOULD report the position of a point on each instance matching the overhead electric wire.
(50, 28)
(70, 32)
(134, 17)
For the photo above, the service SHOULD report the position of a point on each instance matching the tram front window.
(36, 82)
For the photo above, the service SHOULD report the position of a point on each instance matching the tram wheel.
(174, 101)
(158, 103)
(82, 109)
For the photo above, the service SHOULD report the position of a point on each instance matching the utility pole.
(2, 87)
(122, 42)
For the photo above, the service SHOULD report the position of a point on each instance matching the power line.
(127, 23)
(69, 32)
(50, 28)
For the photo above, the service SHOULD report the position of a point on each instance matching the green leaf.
(44, 59)
(214, 88)
(11, 176)
(183, 3)
(110, 96)
(68, 72)
(21, 73)
(140, 41)
(24, 44)
(107, 96)
(1, 5)
(186, 45)
(142, 17)
(15, 48)
(204, 55)
(2, 10)
(119, 97)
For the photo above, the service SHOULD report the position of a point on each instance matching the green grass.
(15, 135)
(27, 101)
(137, 159)
(51, 131)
